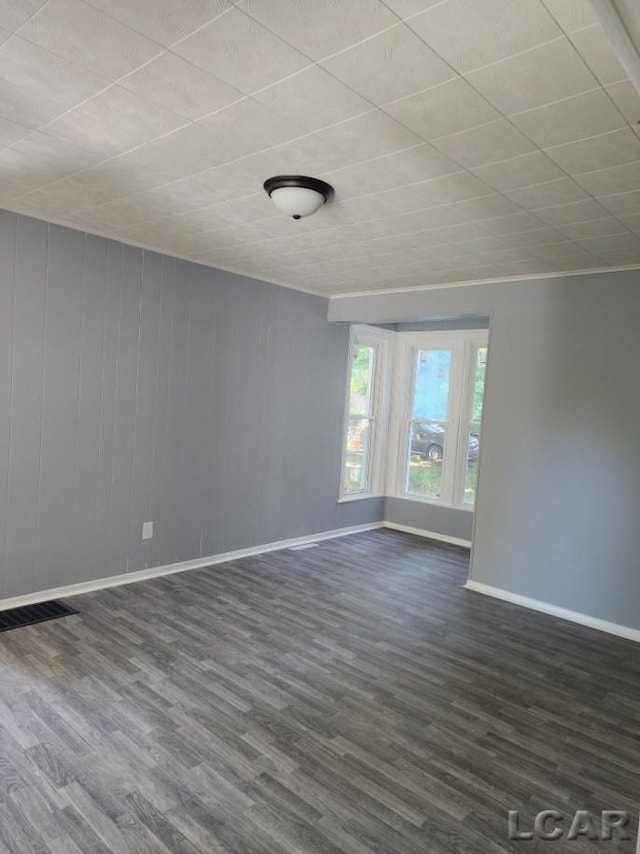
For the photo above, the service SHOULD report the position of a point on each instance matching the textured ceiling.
(465, 139)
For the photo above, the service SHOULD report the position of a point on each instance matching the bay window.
(367, 409)
(434, 442)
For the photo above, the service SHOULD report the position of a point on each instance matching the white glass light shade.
(297, 201)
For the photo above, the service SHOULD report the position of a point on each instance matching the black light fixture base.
(316, 184)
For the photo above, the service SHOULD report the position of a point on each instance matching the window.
(437, 412)
(366, 412)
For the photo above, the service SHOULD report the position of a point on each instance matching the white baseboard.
(430, 535)
(555, 611)
(170, 569)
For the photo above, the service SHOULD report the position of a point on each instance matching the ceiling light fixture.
(297, 195)
(613, 23)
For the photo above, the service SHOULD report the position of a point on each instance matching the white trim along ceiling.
(467, 140)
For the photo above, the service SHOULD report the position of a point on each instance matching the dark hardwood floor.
(346, 698)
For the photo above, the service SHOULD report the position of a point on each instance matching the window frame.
(382, 341)
(464, 345)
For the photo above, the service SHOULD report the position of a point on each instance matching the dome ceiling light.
(297, 195)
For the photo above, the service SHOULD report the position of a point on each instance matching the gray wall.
(559, 485)
(431, 518)
(136, 387)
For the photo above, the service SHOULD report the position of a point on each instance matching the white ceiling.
(465, 139)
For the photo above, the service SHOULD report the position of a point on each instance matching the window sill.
(469, 508)
(360, 496)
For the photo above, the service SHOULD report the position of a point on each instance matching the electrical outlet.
(147, 530)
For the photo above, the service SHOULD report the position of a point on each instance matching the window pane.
(431, 390)
(425, 458)
(473, 435)
(473, 455)
(478, 393)
(356, 471)
(429, 413)
(362, 367)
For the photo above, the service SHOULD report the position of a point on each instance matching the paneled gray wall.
(135, 387)
(556, 516)
(431, 518)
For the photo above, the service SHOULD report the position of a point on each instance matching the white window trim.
(383, 340)
(464, 344)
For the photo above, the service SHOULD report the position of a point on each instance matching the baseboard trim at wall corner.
(428, 535)
(626, 632)
(173, 568)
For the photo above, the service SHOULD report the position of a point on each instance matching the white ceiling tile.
(616, 179)
(559, 192)
(535, 237)
(114, 121)
(14, 13)
(449, 108)
(452, 188)
(179, 196)
(619, 257)
(458, 234)
(237, 212)
(612, 243)
(574, 212)
(81, 34)
(521, 171)
(464, 31)
(486, 244)
(596, 50)
(403, 167)
(599, 152)
(378, 205)
(365, 67)
(572, 14)
(17, 175)
(308, 155)
(113, 214)
(568, 252)
(179, 86)
(11, 132)
(512, 224)
(632, 222)
(622, 204)
(497, 140)
(164, 21)
(246, 127)
(10, 190)
(314, 97)
(576, 118)
(44, 158)
(240, 52)
(627, 99)
(31, 108)
(321, 27)
(424, 220)
(405, 8)
(168, 158)
(486, 207)
(371, 135)
(539, 76)
(592, 228)
(66, 197)
(38, 73)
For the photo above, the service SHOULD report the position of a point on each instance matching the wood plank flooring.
(346, 698)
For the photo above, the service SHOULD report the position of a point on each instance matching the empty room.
(319, 426)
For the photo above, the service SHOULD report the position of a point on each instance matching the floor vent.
(15, 618)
